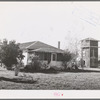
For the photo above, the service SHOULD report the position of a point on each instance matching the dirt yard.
(57, 81)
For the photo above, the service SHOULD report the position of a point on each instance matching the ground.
(55, 81)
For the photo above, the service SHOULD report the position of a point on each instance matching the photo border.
(83, 92)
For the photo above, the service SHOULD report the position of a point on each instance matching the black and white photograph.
(50, 45)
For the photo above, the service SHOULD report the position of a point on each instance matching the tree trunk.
(16, 70)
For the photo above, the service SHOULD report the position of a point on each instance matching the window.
(59, 57)
(92, 52)
(96, 52)
(54, 57)
(93, 43)
(45, 56)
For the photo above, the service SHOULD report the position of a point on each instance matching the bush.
(51, 70)
(67, 56)
(44, 66)
(34, 65)
(28, 68)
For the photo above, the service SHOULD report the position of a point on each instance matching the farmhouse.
(47, 53)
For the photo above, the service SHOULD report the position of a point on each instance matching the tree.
(10, 54)
(67, 56)
(19, 61)
(74, 46)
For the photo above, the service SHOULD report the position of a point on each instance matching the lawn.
(54, 81)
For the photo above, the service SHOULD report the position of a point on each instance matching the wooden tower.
(89, 52)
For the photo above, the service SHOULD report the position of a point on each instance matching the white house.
(47, 53)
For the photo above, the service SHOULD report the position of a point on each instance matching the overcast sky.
(49, 22)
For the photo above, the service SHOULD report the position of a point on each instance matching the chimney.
(58, 44)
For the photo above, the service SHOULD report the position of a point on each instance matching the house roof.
(25, 45)
(90, 39)
(38, 46)
(50, 50)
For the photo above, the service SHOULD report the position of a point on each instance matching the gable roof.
(24, 45)
(38, 46)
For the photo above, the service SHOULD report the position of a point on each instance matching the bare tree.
(73, 45)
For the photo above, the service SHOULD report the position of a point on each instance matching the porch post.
(51, 57)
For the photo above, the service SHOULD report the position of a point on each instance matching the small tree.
(19, 62)
(10, 54)
(67, 56)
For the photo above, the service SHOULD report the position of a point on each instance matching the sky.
(50, 22)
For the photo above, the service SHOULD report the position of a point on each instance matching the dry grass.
(60, 81)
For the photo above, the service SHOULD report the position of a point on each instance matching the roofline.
(34, 42)
(45, 51)
(90, 39)
(31, 44)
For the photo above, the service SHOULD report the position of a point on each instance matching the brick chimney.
(58, 44)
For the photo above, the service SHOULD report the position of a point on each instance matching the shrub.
(67, 56)
(51, 70)
(34, 65)
(44, 66)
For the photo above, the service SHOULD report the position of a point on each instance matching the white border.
(49, 94)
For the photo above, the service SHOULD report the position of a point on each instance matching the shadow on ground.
(72, 70)
(18, 80)
(82, 70)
